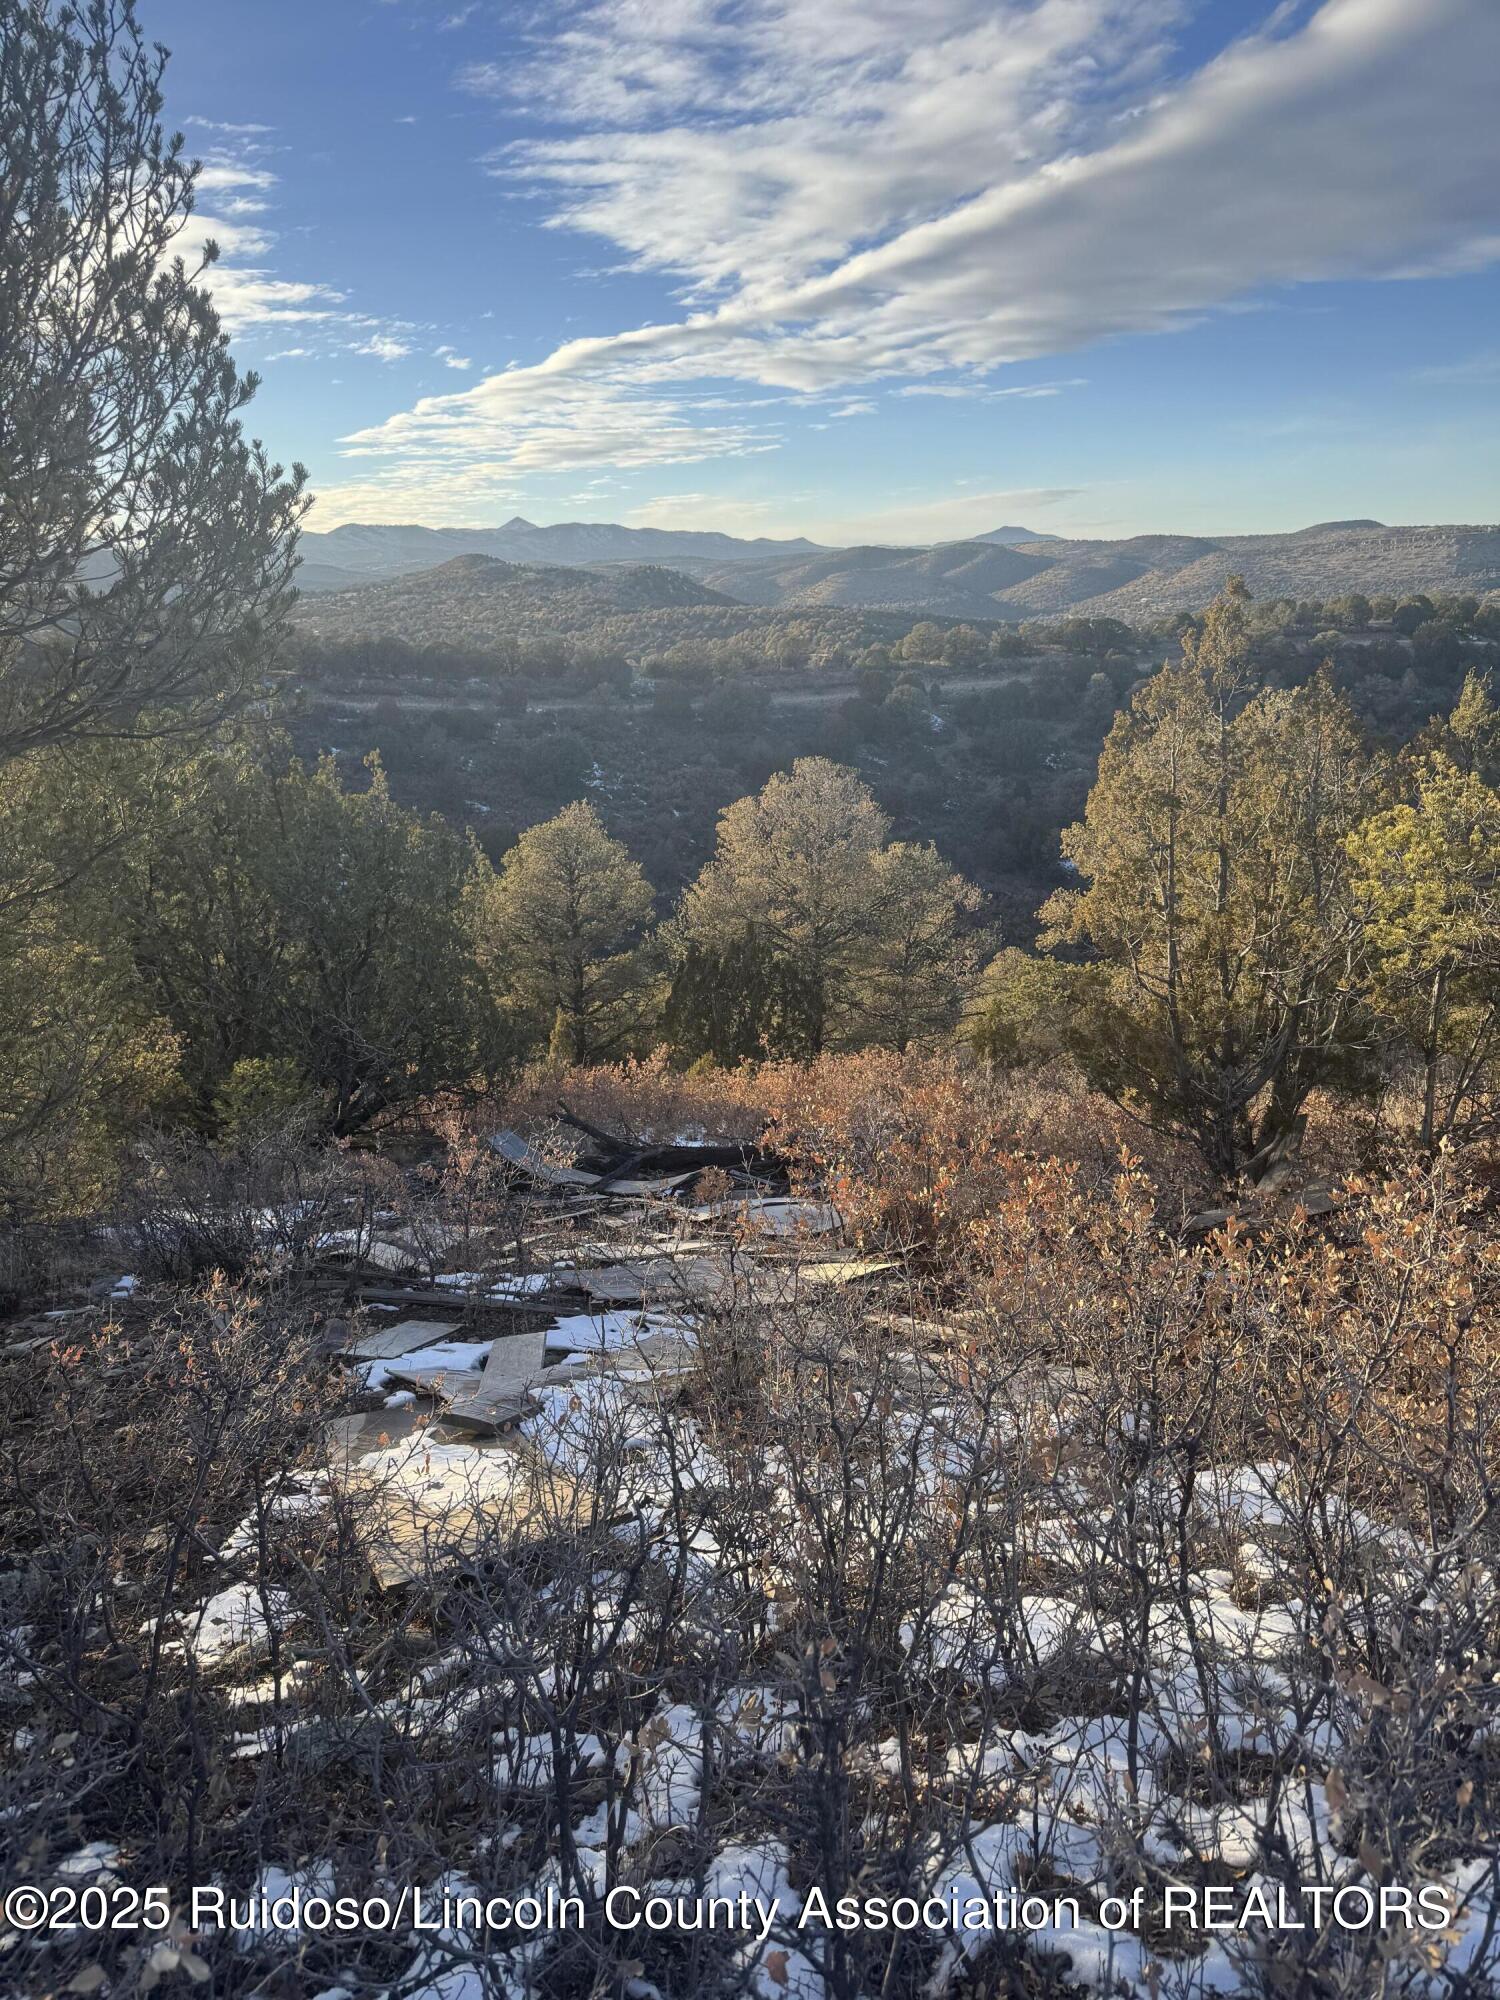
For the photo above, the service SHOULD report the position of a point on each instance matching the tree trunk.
(1430, 1056)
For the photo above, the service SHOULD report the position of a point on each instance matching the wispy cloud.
(234, 186)
(229, 130)
(983, 392)
(215, 176)
(851, 194)
(236, 190)
(519, 422)
(382, 346)
(849, 121)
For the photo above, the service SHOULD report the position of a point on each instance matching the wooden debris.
(440, 1381)
(775, 1214)
(402, 1336)
(502, 1395)
(348, 1438)
(514, 1150)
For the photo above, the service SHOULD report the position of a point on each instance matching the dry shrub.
(911, 1146)
(865, 1586)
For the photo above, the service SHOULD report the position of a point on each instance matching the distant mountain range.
(1137, 579)
(349, 556)
(1009, 574)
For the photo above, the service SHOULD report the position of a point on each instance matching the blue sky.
(859, 269)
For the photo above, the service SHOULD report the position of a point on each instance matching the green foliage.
(1427, 877)
(924, 949)
(1215, 891)
(84, 1051)
(739, 1002)
(146, 546)
(853, 941)
(281, 916)
(560, 931)
(1026, 1010)
(260, 1096)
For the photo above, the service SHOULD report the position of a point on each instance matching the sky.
(862, 270)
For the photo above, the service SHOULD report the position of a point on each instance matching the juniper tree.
(1214, 899)
(796, 863)
(1427, 879)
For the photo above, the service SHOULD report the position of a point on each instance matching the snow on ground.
(459, 1355)
(777, 1969)
(964, 1636)
(233, 1623)
(443, 1476)
(668, 1756)
(529, 1763)
(601, 1333)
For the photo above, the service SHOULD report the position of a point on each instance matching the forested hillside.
(475, 597)
(981, 737)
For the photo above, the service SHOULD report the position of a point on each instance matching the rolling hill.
(474, 597)
(1137, 579)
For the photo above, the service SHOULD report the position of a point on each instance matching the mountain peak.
(518, 521)
(1009, 535)
(1339, 527)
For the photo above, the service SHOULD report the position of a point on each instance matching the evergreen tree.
(282, 917)
(924, 950)
(739, 1003)
(561, 929)
(1215, 892)
(146, 546)
(1427, 878)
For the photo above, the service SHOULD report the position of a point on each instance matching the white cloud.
(1306, 156)
(980, 391)
(451, 358)
(230, 130)
(937, 188)
(519, 422)
(235, 187)
(382, 347)
(214, 175)
(849, 120)
(246, 293)
(441, 497)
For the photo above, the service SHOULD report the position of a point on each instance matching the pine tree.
(146, 546)
(561, 930)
